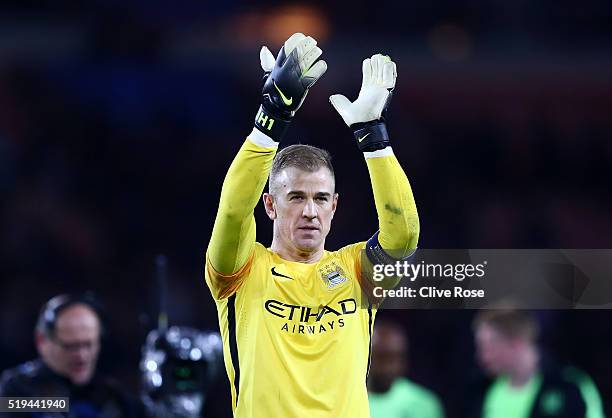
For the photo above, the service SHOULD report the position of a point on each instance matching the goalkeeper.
(296, 327)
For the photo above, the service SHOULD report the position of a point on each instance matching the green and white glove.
(287, 80)
(366, 115)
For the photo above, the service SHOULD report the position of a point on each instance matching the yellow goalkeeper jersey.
(296, 336)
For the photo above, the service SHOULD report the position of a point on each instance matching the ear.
(41, 341)
(268, 201)
(334, 203)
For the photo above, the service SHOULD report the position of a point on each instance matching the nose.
(310, 209)
(82, 354)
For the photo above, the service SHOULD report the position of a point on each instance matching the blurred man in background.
(525, 383)
(67, 338)
(390, 393)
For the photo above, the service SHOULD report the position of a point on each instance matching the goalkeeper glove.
(287, 80)
(366, 115)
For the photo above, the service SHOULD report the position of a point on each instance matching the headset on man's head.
(50, 311)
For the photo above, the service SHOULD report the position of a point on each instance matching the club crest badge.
(332, 275)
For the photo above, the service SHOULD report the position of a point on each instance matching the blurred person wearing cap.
(67, 338)
(390, 393)
(525, 383)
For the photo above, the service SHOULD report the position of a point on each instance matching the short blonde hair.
(304, 157)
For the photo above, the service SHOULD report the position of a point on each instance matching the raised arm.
(397, 214)
(287, 80)
(233, 236)
(398, 219)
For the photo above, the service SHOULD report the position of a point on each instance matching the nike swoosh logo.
(363, 137)
(286, 100)
(274, 273)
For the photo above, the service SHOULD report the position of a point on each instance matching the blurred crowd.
(118, 121)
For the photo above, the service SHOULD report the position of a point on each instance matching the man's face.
(496, 352)
(72, 350)
(302, 208)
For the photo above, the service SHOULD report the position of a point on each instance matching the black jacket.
(100, 398)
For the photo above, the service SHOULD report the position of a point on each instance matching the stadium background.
(118, 120)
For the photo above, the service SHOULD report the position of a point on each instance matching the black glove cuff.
(270, 124)
(371, 136)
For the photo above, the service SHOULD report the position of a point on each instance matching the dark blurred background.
(118, 120)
